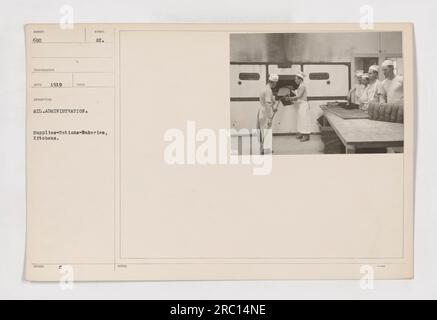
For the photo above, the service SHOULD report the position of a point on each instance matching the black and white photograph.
(316, 93)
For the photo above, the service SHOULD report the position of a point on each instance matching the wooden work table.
(364, 133)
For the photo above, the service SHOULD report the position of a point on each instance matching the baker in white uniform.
(265, 114)
(392, 87)
(370, 93)
(303, 112)
(363, 101)
(355, 93)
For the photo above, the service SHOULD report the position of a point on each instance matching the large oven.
(325, 82)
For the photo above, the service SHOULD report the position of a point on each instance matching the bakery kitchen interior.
(314, 93)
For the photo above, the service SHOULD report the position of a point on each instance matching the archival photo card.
(219, 152)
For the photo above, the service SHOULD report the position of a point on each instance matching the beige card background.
(112, 209)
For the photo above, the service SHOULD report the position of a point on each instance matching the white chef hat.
(274, 77)
(387, 63)
(374, 68)
(300, 75)
(359, 73)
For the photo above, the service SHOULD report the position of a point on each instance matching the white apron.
(264, 115)
(303, 117)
